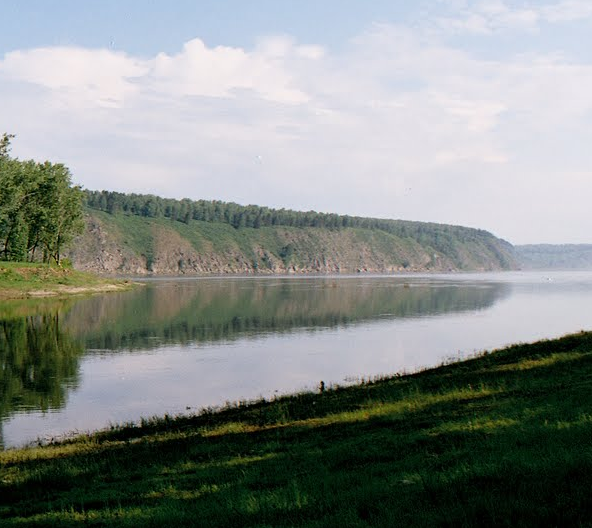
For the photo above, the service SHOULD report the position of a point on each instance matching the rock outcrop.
(120, 245)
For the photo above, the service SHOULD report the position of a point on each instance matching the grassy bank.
(22, 279)
(504, 439)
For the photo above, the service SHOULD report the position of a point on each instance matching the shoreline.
(507, 431)
(20, 280)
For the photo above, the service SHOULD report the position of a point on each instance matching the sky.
(475, 113)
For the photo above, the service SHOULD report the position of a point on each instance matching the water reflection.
(43, 343)
(39, 361)
(204, 311)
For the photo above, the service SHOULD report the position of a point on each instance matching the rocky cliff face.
(101, 251)
(134, 246)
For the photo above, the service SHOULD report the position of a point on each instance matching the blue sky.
(147, 27)
(468, 112)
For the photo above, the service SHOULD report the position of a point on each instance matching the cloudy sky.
(476, 113)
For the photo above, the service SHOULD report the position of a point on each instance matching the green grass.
(504, 439)
(24, 279)
(264, 248)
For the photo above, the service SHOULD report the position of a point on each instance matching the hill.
(549, 256)
(143, 234)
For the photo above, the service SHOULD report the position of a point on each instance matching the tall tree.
(5, 144)
(40, 209)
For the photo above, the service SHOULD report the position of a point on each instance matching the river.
(178, 345)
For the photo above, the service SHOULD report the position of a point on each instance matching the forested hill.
(149, 206)
(555, 256)
(142, 234)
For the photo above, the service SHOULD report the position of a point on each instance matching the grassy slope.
(500, 440)
(23, 279)
(141, 240)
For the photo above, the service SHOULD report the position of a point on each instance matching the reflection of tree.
(41, 344)
(38, 363)
(206, 311)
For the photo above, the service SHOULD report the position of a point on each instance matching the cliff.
(134, 245)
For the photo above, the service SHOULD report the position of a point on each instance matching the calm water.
(178, 345)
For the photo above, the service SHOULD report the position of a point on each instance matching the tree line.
(40, 209)
(440, 237)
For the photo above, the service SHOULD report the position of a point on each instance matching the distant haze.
(560, 257)
(477, 113)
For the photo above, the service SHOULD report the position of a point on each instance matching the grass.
(263, 249)
(24, 279)
(504, 439)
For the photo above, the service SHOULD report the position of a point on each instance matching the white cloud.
(397, 125)
(223, 71)
(488, 17)
(568, 10)
(100, 77)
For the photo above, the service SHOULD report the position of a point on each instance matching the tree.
(5, 144)
(40, 209)
(18, 182)
(60, 205)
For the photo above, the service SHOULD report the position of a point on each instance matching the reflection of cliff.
(39, 362)
(211, 310)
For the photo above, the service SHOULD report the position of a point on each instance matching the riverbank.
(502, 439)
(20, 280)
(130, 244)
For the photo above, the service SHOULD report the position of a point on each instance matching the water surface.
(178, 345)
